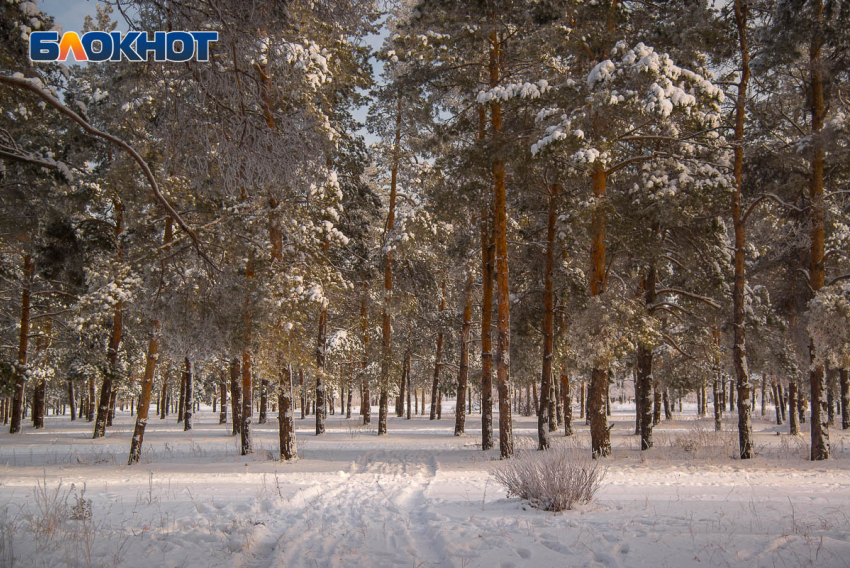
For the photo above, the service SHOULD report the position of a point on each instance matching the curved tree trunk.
(145, 397)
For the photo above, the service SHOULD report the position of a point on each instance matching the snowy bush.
(552, 480)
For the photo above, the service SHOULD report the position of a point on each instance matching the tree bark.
(188, 378)
(794, 422)
(320, 368)
(656, 406)
(568, 403)
(545, 420)
(286, 418)
(600, 440)
(235, 396)
(817, 377)
(668, 414)
(145, 397)
(503, 324)
(222, 417)
(264, 401)
(247, 406)
(463, 372)
(365, 396)
(114, 342)
(71, 401)
(438, 359)
(739, 351)
(777, 401)
(487, 254)
(23, 342)
(181, 399)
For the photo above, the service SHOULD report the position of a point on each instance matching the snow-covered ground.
(419, 497)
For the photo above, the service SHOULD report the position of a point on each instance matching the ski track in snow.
(418, 497)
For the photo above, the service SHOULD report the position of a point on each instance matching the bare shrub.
(552, 480)
(50, 509)
(82, 507)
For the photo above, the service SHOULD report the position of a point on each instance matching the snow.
(417, 497)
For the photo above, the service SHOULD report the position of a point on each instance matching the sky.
(70, 14)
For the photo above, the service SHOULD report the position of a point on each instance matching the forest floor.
(419, 497)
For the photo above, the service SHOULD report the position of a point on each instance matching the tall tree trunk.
(40, 388)
(350, 397)
(739, 350)
(598, 391)
(844, 379)
(190, 391)
(286, 418)
(145, 397)
(503, 324)
(71, 400)
(114, 342)
(545, 420)
(487, 254)
(732, 387)
(794, 422)
(656, 406)
(236, 396)
(408, 385)
(402, 386)
(320, 368)
(264, 401)
(386, 328)
(777, 401)
(763, 394)
(820, 426)
(568, 403)
(644, 367)
(247, 403)
(222, 417)
(23, 342)
(668, 414)
(110, 415)
(365, 396)
(463, 372)
(645, 398)
(181, 399)
(438, 359)
(163, 409)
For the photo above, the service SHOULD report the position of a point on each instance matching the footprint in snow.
(524, 553)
